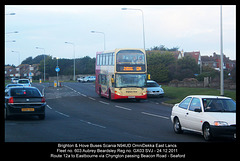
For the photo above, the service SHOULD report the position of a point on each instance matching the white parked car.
(24, 82)
(87, 79)
(80, 79)
(153, 89)
(14, 80)
(209, 115)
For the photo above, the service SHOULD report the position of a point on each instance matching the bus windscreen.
(130, 57)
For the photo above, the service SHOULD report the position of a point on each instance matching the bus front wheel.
(109, 95)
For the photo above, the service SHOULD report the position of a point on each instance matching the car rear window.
(25, 92)
(152, 84)
(23, 81)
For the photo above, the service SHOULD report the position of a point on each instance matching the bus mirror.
(112, 80)
(149, 76)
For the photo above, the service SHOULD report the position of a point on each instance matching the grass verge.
(178, 93)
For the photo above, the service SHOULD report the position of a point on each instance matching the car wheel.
(5, 114)
(177, 126)
(207, 132)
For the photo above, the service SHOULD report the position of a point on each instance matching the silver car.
(24, 82)
(153, 89)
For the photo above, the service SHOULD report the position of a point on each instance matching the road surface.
(75, 113)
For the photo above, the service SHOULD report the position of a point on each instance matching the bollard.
(55, 83)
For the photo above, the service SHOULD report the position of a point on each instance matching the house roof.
(194, 54)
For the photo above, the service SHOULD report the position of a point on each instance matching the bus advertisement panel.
(121, 74)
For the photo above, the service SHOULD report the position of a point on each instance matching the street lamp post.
(104, 43)
(221, 51)
(11, 14)
(14, 32)
(73, 58)
(18, 62)
(142, 22)
(57, 72)
(43, 62)
(10, 41)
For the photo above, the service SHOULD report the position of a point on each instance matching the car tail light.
(10, 100)
(43, 100)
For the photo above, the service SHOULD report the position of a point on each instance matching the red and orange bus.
(121, 74)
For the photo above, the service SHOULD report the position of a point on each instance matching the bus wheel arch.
(109, 95)
(100, 92)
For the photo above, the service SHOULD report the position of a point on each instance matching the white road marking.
(104, 102)
(123, 107)
(43, 91)
(49, 107)
(62, 114)
(84, 95)
(92, 98)
(164, 117)
(96, 125)
(93, 124)
(68, 87)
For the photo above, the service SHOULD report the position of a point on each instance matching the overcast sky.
(191, 28)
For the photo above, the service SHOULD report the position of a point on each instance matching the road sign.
(57, 69)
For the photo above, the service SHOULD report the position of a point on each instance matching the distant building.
(25, 69)
(215, 61)
(211, 61)
(195, 55)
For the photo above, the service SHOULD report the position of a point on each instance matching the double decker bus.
(121, 74)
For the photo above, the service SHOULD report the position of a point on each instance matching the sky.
(191, 28)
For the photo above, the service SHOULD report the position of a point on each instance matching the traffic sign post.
(57, 69)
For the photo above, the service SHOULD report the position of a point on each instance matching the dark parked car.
(24, 101)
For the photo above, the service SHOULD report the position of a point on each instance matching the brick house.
(25, 69)
(215, 60)
(195, 55)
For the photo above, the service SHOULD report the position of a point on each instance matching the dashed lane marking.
(93, 124)
(62, 114)
(123, 108)
(49, 107)
(164, 117)
(92, 98)
(104, 102)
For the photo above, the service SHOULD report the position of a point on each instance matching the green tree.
(186, 68)
(159, 66)
(27, 61)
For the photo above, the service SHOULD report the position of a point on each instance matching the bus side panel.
(97, 86)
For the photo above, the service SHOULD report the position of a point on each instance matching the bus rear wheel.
(100, 93)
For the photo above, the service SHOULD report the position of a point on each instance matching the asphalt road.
(75, 113)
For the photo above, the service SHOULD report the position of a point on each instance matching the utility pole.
(221, 51)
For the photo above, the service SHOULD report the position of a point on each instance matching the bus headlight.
(117, 93)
